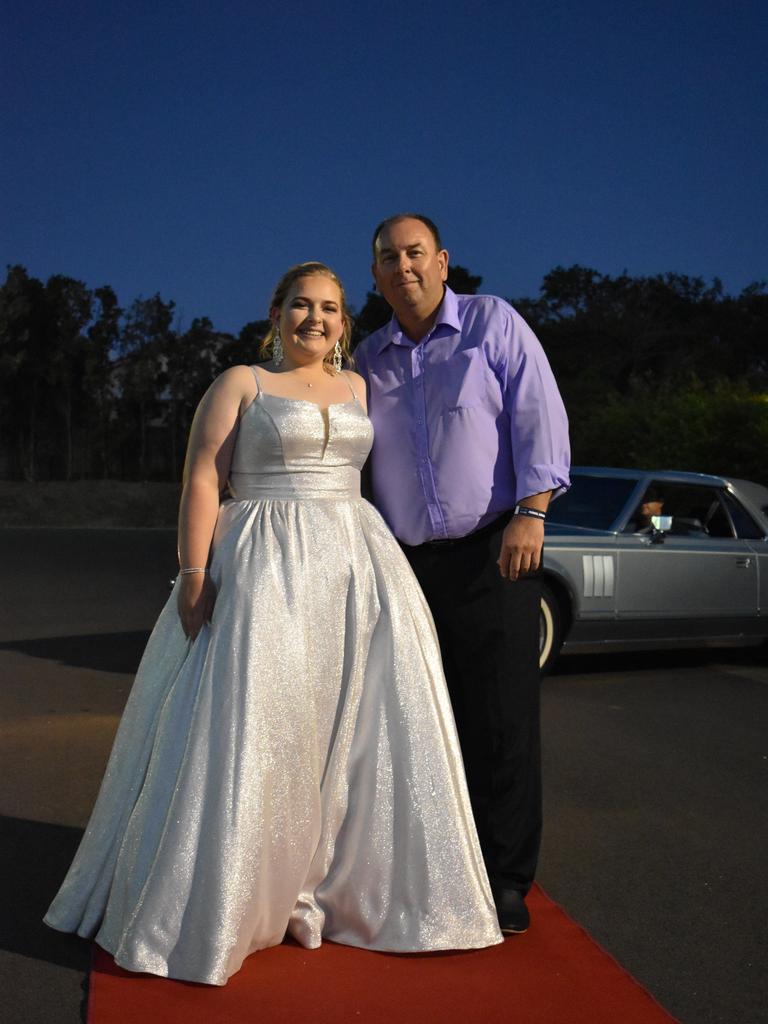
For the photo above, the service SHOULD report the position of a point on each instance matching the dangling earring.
(337, 357)
(277, 348)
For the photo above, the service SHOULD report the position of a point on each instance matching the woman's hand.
(195, 601)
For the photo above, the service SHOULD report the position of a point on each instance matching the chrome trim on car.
(598, 575)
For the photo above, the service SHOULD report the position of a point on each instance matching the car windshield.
(593, 502)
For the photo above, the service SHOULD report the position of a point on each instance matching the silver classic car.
(638, 560)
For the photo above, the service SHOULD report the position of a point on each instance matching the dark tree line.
(92, 390)
(664, 371)
(661, 372)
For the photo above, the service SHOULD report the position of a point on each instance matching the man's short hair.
(433, 229)
(652, 493)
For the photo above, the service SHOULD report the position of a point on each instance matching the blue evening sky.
(199, 149)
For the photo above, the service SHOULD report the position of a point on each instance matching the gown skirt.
(296, 768)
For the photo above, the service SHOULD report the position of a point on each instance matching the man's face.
(409, 269)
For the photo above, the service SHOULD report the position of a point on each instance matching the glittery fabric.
(296, 768)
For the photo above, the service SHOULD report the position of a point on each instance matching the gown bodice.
(290, 448)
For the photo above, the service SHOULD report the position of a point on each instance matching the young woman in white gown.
(287, 760)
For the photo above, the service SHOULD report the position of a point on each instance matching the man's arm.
(523, 539)
(540, 448)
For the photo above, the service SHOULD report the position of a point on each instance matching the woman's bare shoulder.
(357, 383)
(233, 388)
(236, 379)
(235, 375)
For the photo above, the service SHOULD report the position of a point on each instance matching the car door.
(696, 579)
(754, 532)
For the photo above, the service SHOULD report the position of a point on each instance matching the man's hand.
(521, 545)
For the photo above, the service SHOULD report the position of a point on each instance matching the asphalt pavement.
(655, 782)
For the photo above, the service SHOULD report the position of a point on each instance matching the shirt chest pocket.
(389, 387)
(465, 380)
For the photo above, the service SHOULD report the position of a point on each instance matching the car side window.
(592, 501)
(745, 525)
(696, 510)
(718, 524)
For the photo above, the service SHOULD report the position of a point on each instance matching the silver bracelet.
(524, 510)
(186, 572)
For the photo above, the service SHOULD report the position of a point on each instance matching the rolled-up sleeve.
(537, 417)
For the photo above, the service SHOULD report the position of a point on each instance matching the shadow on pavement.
(121, 653)
(106, 652)
(34, 857)
(654, 660)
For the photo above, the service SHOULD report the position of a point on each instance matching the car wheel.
(550, 629)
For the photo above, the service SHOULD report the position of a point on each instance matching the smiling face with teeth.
(310, 320)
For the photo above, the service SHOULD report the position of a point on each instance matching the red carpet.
(555, 974)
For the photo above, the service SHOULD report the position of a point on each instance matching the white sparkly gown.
(295, 769)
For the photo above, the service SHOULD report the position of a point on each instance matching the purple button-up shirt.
(468, 421)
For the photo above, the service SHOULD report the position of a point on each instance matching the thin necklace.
(308, 384)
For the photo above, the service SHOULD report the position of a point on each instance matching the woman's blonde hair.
(311, 269)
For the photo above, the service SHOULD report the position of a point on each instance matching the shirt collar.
(447, 314)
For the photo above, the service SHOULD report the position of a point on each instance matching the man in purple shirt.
(471, 444)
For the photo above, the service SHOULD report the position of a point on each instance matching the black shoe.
(512, 911)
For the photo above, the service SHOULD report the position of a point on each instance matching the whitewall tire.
(550, 629)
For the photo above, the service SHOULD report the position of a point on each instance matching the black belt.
(452, 542)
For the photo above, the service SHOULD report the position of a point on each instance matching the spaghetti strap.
(349, 385)
(258, 382)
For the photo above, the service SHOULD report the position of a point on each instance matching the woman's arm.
(209, 454)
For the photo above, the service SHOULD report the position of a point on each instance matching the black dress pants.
(488, 632)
